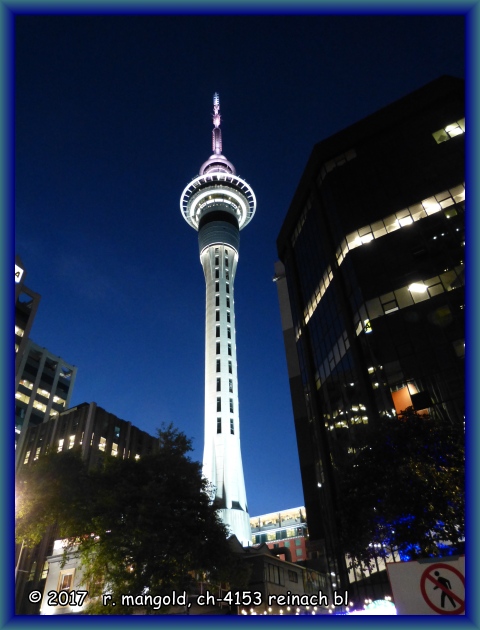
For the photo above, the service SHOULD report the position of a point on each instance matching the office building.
(218, 204)
(26, 305)
(371, 288)
(96, 434)
(284, 532)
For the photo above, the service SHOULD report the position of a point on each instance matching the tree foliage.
(139, 526)
(405, 490)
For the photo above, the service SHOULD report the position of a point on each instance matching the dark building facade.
(371, 287)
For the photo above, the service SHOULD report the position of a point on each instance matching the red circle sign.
(444, 588)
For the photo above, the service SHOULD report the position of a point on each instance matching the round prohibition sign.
(442, 589)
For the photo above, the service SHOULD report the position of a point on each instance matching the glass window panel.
(404, 297)
(374, 308)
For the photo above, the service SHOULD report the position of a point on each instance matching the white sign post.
(428, 587)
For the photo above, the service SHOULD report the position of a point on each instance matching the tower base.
(238, 522)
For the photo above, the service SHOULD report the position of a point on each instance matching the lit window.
(114, 449)
(450, 131)
(37, 454)
(60, 445)
(27, 457)
(65, 581)
(40, 406)
(101, 444)
(19, 331)
(23, 397)
(71, 442)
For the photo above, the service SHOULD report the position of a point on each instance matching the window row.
(219, 366)
(408, 295)
(229, 348)
(219, 403)
(219, 426)
(450, 131)
(407, 216)
(217, 316)
(230, 384)
(217, 287)
(217, 301)
(229, 332)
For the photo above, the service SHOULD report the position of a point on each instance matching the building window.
(65, 581)
(228, 302)
(27, 456)
(227, 275)
(231, 405)
(219, 384)
(232, 431)
(217, 260)
(298, 552)
(219, 425)
(450, 131)
(217, 287)
(229, 349)
(230, 386)
(217, 300)
(218, 365)
(217, 316)
(218, 347)
(229, 333)
(217, 333)
(219, 404)
(292, 576)
(228, 317)
(228, 288)
(217, 273)
(230, 367)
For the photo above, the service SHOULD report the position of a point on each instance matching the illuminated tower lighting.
(218, 204)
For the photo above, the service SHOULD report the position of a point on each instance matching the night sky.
(112, 120)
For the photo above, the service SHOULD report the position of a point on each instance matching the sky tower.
(218, 204)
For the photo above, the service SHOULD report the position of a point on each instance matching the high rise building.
(43, 381)
(26, 305)
(371, 289)
(218, 204)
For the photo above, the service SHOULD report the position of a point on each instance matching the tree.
(147, 525)
(405, 490)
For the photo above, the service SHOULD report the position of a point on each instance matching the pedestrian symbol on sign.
(447, 587)
(445, 595)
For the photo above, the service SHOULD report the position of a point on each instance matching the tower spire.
(217, 132)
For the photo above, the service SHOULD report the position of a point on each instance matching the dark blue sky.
(113, 119)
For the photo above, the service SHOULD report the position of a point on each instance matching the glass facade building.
(371, 287)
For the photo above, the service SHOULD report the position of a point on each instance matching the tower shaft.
(219, 204)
